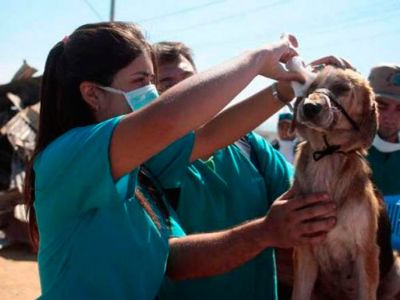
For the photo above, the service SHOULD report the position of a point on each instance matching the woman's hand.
(273, 55)
(284, 88)
(299, 221)
(331, 60)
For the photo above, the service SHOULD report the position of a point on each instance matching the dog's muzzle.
(311, 110)
(315, 113)
(333, 99)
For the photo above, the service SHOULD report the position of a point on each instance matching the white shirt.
(384, 146)
(286, 148)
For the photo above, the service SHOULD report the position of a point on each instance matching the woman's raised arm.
(192, 103)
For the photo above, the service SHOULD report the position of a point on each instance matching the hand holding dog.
(294, 221)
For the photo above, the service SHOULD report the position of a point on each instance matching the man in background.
(384, 155)
(232, 185)
(175, 63)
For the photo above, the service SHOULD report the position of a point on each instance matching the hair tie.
(65, 40)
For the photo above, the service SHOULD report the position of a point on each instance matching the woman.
(98, 239)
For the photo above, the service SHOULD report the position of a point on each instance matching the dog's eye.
(340, 88)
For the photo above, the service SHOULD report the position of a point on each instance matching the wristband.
(275, 95)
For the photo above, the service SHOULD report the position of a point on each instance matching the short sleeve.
(73, 174)
(278, 173)
(170, 165)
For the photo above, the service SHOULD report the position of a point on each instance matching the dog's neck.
(327, 174)
(327, 149)
(323, 146)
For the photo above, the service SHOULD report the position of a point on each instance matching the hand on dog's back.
(295, 221)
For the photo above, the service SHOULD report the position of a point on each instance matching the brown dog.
(338, 120)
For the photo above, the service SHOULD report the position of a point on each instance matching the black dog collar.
(328, 150)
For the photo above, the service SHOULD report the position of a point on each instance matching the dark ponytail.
(50, 89)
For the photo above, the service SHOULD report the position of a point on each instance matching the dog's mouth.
(316, 112)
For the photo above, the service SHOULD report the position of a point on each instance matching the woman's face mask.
(137, 98)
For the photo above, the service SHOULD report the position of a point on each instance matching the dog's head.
(339, 108)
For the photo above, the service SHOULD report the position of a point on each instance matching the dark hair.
(148, 182)
(95, 53)
(169, 52)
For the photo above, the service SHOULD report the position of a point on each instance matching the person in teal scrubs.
(84, 245)
(107, 143)
(384, 155)
(226, 190)
(232, 185)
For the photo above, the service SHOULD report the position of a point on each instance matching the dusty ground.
(19, 278)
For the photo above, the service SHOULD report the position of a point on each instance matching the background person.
(384, 155)
(286, 142)
(175, 63)
(225, 188)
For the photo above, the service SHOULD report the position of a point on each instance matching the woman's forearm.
(184, 107)
(199, 98)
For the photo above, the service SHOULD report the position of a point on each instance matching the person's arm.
(239, 119)
(236, 121)
(190, 104)
(288, 223)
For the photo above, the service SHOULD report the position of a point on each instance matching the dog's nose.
(311, 109)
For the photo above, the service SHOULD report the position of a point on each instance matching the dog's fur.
(389, 288)
(346, 264)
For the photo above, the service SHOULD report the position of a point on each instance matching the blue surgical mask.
(137, 98)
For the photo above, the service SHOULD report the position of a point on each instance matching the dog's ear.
(369, 122)
(293, 125)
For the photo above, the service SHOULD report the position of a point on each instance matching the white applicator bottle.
(297, 64)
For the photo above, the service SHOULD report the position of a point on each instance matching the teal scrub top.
(223, 192)
(96, 240)
(385, 166)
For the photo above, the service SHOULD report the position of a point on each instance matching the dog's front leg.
(367, 264)
(305, 273)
